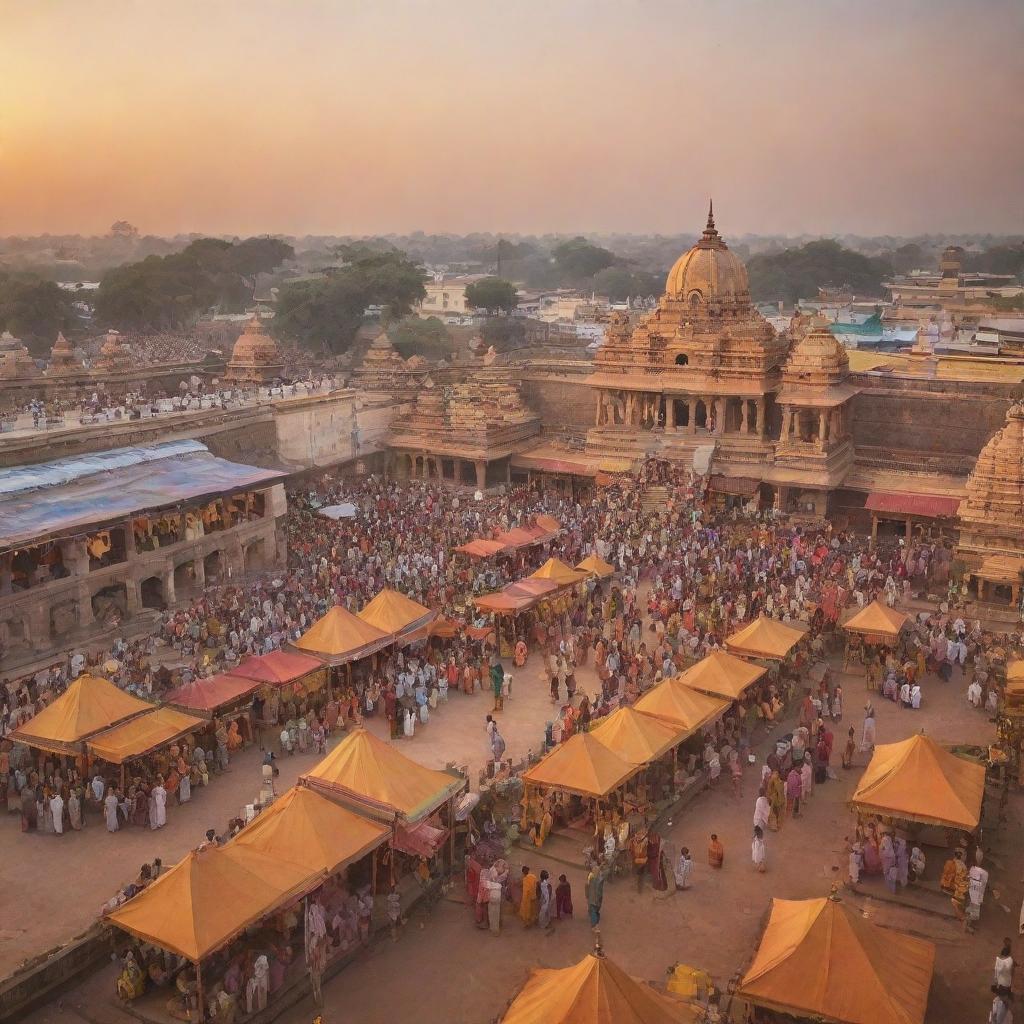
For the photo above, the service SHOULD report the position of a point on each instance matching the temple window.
(682, 359)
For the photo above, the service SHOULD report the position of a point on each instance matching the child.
(759, 850)
(563, 898)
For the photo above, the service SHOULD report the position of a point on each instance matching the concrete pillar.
(133, 596)
(199, 568)
(874, 529)
(39, 625)
(6, 575)
(168, 580)
(481, 474)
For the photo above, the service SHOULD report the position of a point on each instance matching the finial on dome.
(711, 214)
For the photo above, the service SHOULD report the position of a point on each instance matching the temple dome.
(817, 358)
(255, 357)
(995, 490)
(708, 272)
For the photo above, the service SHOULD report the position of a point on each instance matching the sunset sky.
(356, 116)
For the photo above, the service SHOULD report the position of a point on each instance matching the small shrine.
(15, 358)
(383, 369)
(115, 354)
(255, 359)
(991, 541)
(62, 357)
(464, 432)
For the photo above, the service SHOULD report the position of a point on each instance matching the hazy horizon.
(449, 117)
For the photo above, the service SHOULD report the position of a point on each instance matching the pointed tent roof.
(371, 773)
(278, 668)
(557, 571)
(339, 637)
(594, 991)
(918, 780)
(394, 613)
(88, 706)
(877, 619)
(582, 764)
(818, 958)
(722, 675)
(211, 693)
(307, 828)
(596, 566)
(212, 895)
(637, 737)
(675, 702)
(159, 727)
(1015, 671)
(765, 638)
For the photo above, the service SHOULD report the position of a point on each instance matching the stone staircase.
(654, 499)
(621, 443)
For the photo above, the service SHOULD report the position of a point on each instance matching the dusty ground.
(714, 925)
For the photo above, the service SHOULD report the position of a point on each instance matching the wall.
(560, 396)
(952, 417)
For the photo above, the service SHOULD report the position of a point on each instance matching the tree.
(798, 273)
(168, 292)
(503, 332)
(34, 310)
(326, 312)
(122, 229)
(493, 294)
(578, 259)
(415, 336)
(620, 283)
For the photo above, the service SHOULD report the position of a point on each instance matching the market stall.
(594, 566)
(875, 625)
(405, 620)
(594, 991)
(555, 570)
(722, 675)
(338, 638)
(225, 697)
(918, 781)
(819, 960)
(765, 638)
(87, 707)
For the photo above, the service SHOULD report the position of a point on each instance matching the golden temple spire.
(711, 215)
(711, 238)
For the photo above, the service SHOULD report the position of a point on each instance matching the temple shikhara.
(255, 358)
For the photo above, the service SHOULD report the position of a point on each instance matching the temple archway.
(700, 414)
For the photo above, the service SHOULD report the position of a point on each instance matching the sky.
(374, 116)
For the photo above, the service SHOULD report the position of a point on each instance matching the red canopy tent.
(211, 694)
(278, 668)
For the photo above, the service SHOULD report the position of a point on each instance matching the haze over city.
(323, 117)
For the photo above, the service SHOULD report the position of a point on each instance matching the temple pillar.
(133, 599)
(169, 588)
(481, 474)
(599, 409)
(822, 429)
(691, 416)
(630, 409)
(759, 407)
(744, 429)
(787, 423)
(670, 413)
(84, 599)
(199, 572)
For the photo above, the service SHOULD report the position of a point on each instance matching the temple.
(992, 514)
(255, 359)
(62, 357)
(464, 432)
(15, 359)
(114, 353)
(384, 370)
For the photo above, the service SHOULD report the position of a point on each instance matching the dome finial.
(711, 214)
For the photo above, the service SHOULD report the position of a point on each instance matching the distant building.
(952, 286)
(447, 297)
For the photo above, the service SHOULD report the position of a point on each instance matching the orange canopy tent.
(444, 628)
(143, 734)
(278, 668)
(594, 991)
(306, 828)
(211, 694)
(765, 638)
(917, 780)
(394, 613)
(211, 896)
(555, 570)
(637, 737)
(820, 959)
(481, 548)
(583, 765)
(877, 620)
(88, 706)
(501, 602)
(1015, 672)
(339, 637)
(371, 774)
(722, 675)
(594, 566)
(673, 702)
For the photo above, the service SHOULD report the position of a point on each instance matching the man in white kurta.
(57, 810)
(158, 796)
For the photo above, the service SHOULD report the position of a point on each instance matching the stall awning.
(932, 506)
(371, 773)
(740, 485)
(394, 613)
(917, 780)
(877, 619)
(212, 693)
(555, 570)
(88, 706)
(482, 548)
(637, 737)
(278, 668)
(677, 703)
(143, 734)
(583, 765)
(764, 638)
(722, 675)
(309, 829)
(422, 840)
(595, 566)
(211, 896)
(339, 637)
(820, 959)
